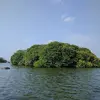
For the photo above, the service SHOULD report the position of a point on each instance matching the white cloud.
(68, 19)
(50, 41)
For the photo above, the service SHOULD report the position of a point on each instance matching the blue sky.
(27, 22)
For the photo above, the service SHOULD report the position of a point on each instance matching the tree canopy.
(56, 55)
(18, 58)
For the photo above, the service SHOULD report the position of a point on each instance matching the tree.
(18, 57)
(32, 54)
(57, 54)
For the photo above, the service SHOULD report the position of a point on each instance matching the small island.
(2, 60)
(56, 55)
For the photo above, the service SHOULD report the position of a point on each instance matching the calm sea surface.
(49, 84)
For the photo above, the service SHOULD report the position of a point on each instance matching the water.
(49, 84)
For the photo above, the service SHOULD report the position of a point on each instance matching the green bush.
(39, 64)
(83, 64)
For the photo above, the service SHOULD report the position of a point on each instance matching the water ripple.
(50, 84)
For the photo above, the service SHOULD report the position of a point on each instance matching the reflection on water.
(49, 84)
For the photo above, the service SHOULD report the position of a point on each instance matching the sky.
(24, 23)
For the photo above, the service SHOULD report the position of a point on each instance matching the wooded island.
(2, 60)
(56, 55)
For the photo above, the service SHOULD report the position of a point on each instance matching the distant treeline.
(2, 60)
(56, 55)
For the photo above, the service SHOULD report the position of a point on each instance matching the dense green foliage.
(32, 54)
(56, 54)
(2, 60)
(18, 58)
